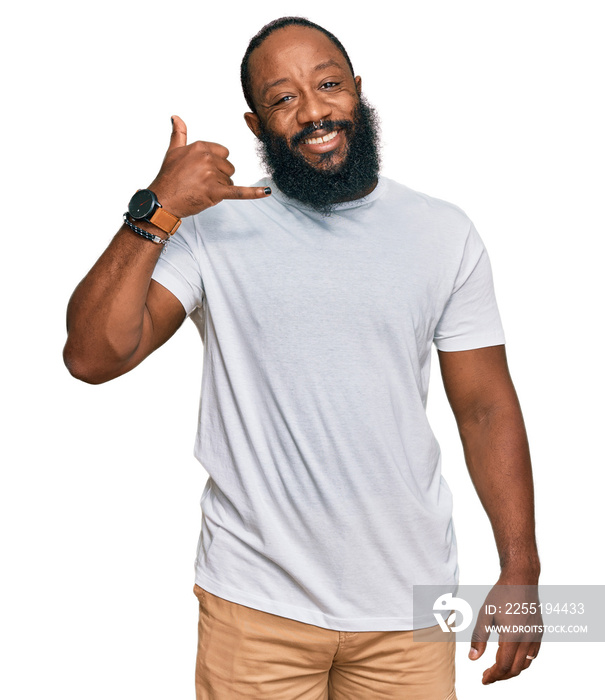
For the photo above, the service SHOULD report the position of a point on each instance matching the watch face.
(142, 204)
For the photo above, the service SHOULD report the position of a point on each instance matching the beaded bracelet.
(145, 234)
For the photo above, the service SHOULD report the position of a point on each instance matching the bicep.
(477, 382)
(163, 316)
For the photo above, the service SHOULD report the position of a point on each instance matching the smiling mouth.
(322, 139)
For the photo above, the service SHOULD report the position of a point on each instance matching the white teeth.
(322, 139)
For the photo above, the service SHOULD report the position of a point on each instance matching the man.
(318, 294)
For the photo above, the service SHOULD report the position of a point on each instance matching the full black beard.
(323, 185)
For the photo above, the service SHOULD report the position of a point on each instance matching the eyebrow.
(320, 66)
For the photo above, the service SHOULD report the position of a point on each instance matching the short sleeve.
(178, 267)
(471, 318)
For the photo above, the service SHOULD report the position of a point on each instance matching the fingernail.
(473, 654)
(267, 190)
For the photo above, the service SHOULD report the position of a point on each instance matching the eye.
(330, 84)
(285, 98)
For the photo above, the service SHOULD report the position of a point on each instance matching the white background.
(496, 106)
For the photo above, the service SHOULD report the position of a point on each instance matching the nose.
(313, 108)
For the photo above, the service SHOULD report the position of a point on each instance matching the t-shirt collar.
(340, 206)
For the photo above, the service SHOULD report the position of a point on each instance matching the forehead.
(292, 52)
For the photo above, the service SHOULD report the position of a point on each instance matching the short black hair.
(268, 29)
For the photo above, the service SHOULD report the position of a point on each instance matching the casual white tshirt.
(325, 501)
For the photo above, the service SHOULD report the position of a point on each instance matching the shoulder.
(228, 218)
(439, 224)
(424, 204)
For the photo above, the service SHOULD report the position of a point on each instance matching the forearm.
(106, 315)
(116, 316)
(497, 454)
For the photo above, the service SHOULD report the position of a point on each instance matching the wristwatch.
(144, 206)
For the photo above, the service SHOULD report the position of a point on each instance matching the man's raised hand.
(196, 176)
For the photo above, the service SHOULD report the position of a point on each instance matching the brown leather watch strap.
(166, 221)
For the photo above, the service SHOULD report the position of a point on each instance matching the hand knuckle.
(201, 147)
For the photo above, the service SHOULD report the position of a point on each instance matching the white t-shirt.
(325, 501)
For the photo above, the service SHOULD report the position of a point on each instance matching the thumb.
(480, 636)
(178, 137)
(477, 649)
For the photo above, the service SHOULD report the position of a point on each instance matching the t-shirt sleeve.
(471, 318)
(178, 267)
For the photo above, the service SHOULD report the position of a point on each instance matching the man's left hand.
(510, 608)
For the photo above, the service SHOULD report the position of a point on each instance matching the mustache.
(328, 125)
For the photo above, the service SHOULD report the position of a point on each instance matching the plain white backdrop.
(495, 106)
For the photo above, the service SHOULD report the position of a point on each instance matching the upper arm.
(477, 382)
(176, 288)
(162, 317)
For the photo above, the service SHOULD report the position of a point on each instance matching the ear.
(358, 85)
(253, 123)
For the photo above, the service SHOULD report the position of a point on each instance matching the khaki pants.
(247, 653)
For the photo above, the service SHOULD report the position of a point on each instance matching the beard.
(323, 185)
